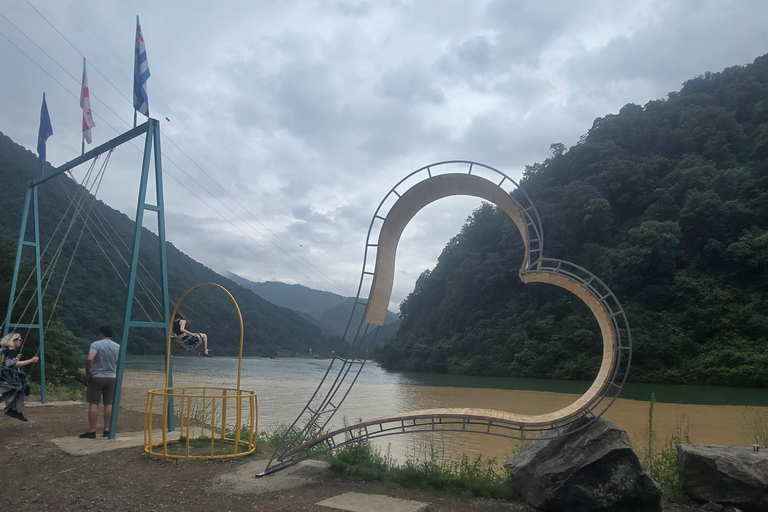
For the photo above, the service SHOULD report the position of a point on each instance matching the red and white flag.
(85, 104)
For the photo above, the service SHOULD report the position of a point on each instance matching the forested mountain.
(327, 310)
(667, 203)
(94, 293)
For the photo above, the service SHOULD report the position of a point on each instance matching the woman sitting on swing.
(189, 338)
(16, 397)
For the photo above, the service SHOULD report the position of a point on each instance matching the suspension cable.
(32, 272)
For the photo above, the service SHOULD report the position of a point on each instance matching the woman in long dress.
(16, 397)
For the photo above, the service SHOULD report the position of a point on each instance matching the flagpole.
(42, 163)
(82, 147)
(134, 118)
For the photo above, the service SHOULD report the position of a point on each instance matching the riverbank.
(46, 478)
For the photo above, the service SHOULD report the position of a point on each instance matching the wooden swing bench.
(186, 343)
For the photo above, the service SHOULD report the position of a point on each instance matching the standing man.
(100, 373)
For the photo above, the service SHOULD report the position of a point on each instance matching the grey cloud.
(409, 84)
(662, 55)
(306, 213)
(307, 113)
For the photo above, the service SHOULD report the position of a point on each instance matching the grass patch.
(201, 446)
(73, 393)
(283, 436)
(464, 476)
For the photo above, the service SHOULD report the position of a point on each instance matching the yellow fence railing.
(212, 423)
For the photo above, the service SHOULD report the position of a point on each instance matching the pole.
(140, 207)
(153, 136)
(39, 298)
(19, 246)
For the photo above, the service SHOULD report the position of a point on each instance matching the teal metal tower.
(152, 143)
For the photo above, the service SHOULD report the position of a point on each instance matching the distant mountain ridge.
(327, 310)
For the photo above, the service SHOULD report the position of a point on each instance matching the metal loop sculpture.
(307, 434)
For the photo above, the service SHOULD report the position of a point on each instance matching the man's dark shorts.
(98, 388)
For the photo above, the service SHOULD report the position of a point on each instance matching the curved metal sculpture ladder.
(305, 436)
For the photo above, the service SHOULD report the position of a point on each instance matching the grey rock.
(711, 506)
(729, 475)
(593, 469)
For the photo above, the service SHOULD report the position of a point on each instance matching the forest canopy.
(667, 203)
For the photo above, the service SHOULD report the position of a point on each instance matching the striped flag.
(46, 130)
(140, 74)
(85, 104)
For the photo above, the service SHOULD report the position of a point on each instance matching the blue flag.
(46, 130)
(140, 74)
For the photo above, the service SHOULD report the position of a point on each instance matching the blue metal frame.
(152, 139)
(31, 192)
(152, 130)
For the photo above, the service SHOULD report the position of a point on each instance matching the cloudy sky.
(285, 123)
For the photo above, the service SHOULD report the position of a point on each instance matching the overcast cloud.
(290, 121)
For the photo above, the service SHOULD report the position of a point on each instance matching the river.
(710, 415)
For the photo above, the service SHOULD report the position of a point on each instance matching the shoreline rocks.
(592, 469)
(727, 475)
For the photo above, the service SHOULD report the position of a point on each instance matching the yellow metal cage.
(213, 422)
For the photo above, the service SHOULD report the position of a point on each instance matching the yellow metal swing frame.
(203, 414)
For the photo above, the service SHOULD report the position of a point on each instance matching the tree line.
(667, 203)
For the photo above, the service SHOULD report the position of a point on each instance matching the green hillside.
(94, 293)
(667, 203)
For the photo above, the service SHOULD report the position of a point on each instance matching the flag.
(46, 130)
(140, 74)
(85, 104)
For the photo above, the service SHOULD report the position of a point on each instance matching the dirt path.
(39, 476)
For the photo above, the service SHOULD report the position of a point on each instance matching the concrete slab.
(244, 481)
(359, 502)
(73, 445)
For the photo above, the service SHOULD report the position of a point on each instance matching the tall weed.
(661, 462)
(756, 421)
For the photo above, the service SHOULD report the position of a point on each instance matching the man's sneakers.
(14, 414)
(208, 355)
(88, 435)
(105, 433)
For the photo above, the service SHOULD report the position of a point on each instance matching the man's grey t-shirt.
(105, 363)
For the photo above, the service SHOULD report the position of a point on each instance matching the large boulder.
(728, 475)
(593, 469)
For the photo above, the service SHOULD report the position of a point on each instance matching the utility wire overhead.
(292, 254)
(168, 159)
(290, 251)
